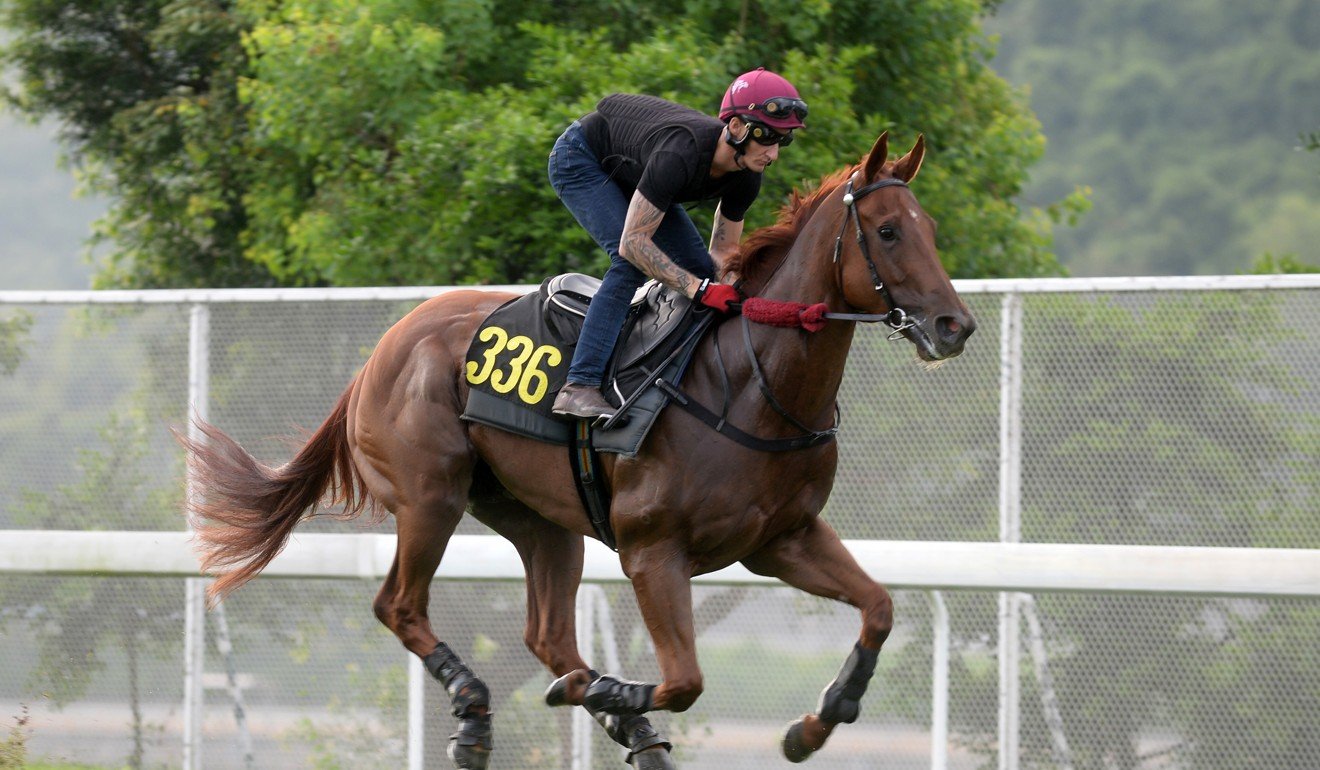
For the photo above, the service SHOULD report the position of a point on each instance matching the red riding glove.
(717, 295)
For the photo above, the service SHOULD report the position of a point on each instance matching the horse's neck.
(804, 369)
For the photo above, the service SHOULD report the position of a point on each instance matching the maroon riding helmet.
(766, 97)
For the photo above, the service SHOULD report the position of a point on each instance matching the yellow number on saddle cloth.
(523, 370)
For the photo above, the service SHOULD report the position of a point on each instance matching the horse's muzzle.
(944, 337)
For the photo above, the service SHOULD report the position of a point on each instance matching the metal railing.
(1008, 566)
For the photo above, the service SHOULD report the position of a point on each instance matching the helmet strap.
(739, 145)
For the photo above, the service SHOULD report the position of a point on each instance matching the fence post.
(939, 698)
(1010, 521)
(194, 626)
(416, 713)
(581, 721)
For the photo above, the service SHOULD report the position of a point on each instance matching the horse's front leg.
(659, 575)
(816, 561)
(552, 557)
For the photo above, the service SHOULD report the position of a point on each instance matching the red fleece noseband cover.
(786, 314)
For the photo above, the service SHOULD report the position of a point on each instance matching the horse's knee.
(402, 620)
(681, 693)
(555, 647)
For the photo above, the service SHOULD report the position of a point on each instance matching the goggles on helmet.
(763, 134)
(781, 106)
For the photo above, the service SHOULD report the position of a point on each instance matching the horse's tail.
(245, 511)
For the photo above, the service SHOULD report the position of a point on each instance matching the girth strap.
(590, 484)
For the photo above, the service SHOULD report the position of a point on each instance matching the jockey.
(625, 169)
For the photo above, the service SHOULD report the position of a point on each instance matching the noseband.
(896, 318)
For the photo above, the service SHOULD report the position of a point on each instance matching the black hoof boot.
(795, 749)
(470, 747)
(654, 758)
(647, 748)
(616, 696)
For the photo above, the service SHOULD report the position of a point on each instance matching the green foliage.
(77, 621)
(146, 93)
(12, 333)
(1182, 117)
(1270, 264)
(330, 142)
(113, 488)
(1258, 643)
(1228, 461)
(417, 166)
(355, 742)
(13, 749)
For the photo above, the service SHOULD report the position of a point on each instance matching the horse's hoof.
(467, 757)
(795, 747)
(655, 758)
(568, 689)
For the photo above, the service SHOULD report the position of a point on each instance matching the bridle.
(897, 319)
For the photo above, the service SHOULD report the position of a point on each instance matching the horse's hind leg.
(427, 492)
(816, 561)
(552, 558)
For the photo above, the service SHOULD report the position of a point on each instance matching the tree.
(1173, 420)
(12, 333)
(1180, 116)
(146, 93)
(81, 623)
(331, 142)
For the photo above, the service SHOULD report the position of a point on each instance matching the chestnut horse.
(692, 501)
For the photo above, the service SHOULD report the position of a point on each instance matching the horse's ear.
(876, 160)
(907, 166)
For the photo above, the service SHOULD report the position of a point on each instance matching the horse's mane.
(775, 239)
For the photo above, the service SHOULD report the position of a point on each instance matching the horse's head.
(886, 259)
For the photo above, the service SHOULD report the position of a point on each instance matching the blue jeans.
(600, 206)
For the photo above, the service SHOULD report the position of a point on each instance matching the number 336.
(523, 370)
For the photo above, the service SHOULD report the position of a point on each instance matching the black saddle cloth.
(519, 358)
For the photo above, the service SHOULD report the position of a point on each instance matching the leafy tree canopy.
(1186, 119)
(399, 141)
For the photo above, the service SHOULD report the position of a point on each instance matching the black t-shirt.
(664, 150)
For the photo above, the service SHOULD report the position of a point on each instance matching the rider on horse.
(660, 155)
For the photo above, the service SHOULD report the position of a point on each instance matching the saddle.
(519, 358)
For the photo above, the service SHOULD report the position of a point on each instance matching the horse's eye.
(888, 233)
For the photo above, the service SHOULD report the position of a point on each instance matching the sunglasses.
(779, 106)
(763, 134)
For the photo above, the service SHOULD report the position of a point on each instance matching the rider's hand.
(716, 295)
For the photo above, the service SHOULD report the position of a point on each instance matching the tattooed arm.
(636, 245)
(725, 236)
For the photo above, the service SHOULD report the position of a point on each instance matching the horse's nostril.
(952, 328)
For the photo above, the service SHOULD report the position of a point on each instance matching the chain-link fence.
(1148, 415)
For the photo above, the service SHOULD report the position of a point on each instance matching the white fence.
(1264, 572)
(1250, 312)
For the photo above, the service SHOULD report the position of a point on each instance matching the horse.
(691, 501)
